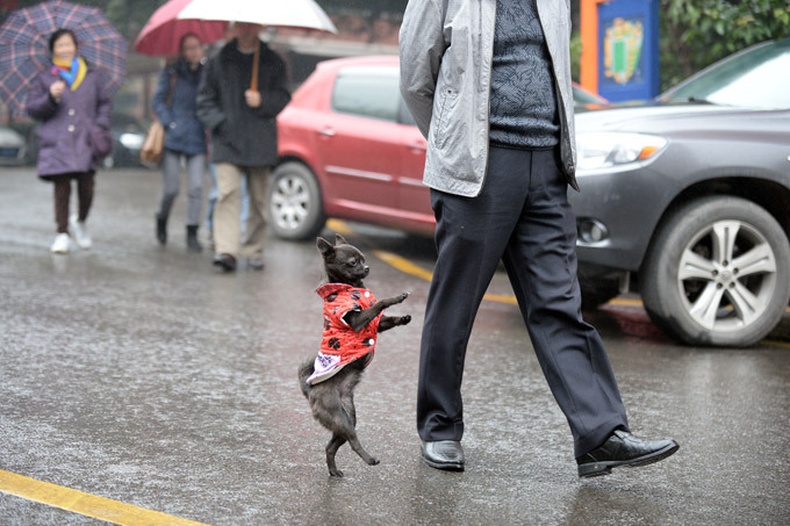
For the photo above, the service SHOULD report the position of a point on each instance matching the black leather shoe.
(225, 261)
(624, 449)
(443, 454)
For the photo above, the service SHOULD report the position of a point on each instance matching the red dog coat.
(340, 344)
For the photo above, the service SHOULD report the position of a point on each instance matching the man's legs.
(257, 185)
(471, 235)
(227, 225)
(541, 263)
(523, 206)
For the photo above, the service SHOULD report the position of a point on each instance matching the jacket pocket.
(447, 102)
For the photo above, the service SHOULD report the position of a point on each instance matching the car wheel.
(294, 202)
(718, 273)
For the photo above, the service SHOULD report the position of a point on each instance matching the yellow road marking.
(84, 503)
(341, 227)
(407, 267)
(404, 265)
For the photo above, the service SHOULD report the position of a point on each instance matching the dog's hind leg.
(331, 451)
(347, 401)
(344, 431)
(355, 444)
(338, 440)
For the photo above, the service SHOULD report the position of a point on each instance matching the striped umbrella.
(24, 49)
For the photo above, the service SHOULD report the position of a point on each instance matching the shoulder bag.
(154, 144)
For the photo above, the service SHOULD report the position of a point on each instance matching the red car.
(349, 149)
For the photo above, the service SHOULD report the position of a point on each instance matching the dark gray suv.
(687, 201)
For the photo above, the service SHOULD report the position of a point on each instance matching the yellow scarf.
(73, 78)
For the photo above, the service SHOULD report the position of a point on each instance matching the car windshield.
(755, 79)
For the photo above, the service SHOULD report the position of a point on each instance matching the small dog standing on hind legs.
(352, 319)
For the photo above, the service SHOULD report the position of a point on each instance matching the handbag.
(154, 143)
(101, 142)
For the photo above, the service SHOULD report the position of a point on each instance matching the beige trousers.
(227, 212)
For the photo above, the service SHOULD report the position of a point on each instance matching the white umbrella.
(305, 14)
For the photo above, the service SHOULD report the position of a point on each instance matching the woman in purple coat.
(74, 108)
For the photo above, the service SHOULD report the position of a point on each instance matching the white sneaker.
(81, 235)
(61, 244)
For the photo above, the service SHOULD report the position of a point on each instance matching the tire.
(597, 292)
(718, 273)
(294, 202)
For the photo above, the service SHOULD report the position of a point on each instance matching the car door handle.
(326, 132)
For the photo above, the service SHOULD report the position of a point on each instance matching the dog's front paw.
(373, 461)
(401, 298)
(335, 473)
(404, 320)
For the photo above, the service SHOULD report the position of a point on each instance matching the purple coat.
(69, 130)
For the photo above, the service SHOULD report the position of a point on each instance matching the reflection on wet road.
(138, 374)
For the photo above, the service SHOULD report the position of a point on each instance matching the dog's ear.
(340, 240)
(324, 246)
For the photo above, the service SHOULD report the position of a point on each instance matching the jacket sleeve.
(422, 44)
(40, 104)
(103, 104)
(159, 102)
(209, 105)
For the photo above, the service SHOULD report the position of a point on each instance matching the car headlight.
(609, 151)
(132, 141)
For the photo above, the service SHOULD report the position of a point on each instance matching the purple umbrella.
(24, 46)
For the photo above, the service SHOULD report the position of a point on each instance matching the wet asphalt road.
(137, 373)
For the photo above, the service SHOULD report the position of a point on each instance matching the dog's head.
(344, 263)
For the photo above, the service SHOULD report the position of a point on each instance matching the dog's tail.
(305, 370)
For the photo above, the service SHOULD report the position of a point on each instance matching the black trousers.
(522, 216)
(62, 192)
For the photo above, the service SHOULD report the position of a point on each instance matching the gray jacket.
(446, 52)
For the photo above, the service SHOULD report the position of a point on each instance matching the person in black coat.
(242, 120)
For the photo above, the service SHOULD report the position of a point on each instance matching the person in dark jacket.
(175, 105)
(71, 101)
(242, 121)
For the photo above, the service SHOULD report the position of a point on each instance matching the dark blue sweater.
(523, 103)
